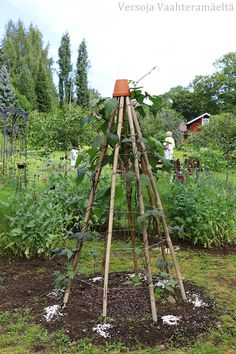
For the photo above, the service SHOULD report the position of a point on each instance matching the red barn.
(194, 124)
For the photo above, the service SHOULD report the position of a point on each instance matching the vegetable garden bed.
(28, 285)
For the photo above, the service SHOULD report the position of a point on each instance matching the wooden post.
(90, 205)
(160, 208)
(142, 212)
(112, 205)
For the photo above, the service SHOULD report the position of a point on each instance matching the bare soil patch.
(29, 285)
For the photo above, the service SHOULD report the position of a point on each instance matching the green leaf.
(69, 253)
(63, 252)
(158, 293)
(86, 120)
(119, 192)
(170, 289)
(56, 250)
(3, 203)
(83, 269)
(167, 165)
(80, 175)
(113, 139)
(153, 160)
(136, 279)
(79, 235)
(141, 111)
(71, 274)
(16, 231)
(138, 250)
(161, 264)
(79, 159)
(98, 141)
(110, 105)
(154, 141)
(108, 160)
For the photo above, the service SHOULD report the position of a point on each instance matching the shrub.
(204, 211)
(220, 134)
(41, 220)
(210, 159)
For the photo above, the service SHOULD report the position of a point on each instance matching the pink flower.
(180, 176)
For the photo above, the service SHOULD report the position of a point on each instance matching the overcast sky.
(127, 41)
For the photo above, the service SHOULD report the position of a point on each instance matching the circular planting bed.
(29, 285)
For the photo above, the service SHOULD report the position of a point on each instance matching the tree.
(226, 81)
(214, 93)
(24, 53)
(219, 134)
(1, 56)
(25, 87)
(7, 95)
(81, 79)
(183, 101)
(166, 119)
(42, 91)
(65, 69)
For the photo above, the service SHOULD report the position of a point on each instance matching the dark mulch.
(26, 284)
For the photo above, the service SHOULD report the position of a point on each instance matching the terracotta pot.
(121, 88)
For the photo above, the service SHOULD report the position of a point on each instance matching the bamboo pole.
(142, 212)
(160, 208)
(112, 205)
(90, 205)
(129, 203)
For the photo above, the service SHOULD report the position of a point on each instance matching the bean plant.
(204, 211)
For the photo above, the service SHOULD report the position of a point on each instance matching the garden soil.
(29, 284)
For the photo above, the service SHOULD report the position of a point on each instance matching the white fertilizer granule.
(52, 311)
(96, 279)
(102, 329)
(171, 320)
(197, 302)
(56, 293)
(161, 283)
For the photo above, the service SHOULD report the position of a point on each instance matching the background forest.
(28, 79)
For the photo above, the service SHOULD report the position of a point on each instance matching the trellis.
(14, 144)
(129, 136)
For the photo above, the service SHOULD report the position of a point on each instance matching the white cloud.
(127, 44)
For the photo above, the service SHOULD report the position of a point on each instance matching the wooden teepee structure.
(128, 126)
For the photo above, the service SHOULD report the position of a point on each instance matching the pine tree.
(25, 85)
(42, 91)
(7, 95)
(81, 79)
(24, 53)
(65, 68)
(1, 56)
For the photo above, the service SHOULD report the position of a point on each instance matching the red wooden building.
(194, 124)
